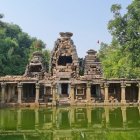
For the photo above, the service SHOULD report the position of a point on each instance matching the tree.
(124, 55)
(16, 47)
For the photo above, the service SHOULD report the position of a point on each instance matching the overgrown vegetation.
(122, 57)
(16, 47)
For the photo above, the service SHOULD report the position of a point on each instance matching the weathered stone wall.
(36, 66)
(64, 58)
(92, 68)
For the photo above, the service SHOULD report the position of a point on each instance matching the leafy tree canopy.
(122, 57)
(16, 48)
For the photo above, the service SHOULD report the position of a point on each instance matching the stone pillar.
(9, 93)
(123, 85)
(102, 91)
(57, 88)
(53, 95)
(3, 86)
(37, 93)
(13, 91)
(51, 90)
(139, 92)
(76, 90)
(19, 92)
(106, 85)
(72, 94)
(44, 90)
(88, 93)
(22, 94)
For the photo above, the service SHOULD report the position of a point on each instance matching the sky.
(44, 19)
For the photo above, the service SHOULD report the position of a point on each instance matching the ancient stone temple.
(69, 81)
(64, 58)
(36, 67)
(92, 68)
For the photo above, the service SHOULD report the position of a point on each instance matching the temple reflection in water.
(70, 123)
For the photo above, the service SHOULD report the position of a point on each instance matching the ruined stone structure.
(36, 67)
(64, 83)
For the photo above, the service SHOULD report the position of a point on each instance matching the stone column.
(44, 90)
(57, 87)
(123, 85)
(102, 91)
(88, 93)
(53, 95)
(76, 90)
(72, 94)
(3, 86)
(106, 85)
(51, 90)
(139, 92)
(37, 93)
(9, 93)
(13, 91)
(19, 86)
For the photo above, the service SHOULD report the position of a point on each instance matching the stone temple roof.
(92, 52)
(66, 34)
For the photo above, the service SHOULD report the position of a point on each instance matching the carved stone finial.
(91, 52)
(66, 34)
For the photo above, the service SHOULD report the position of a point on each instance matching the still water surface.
(70, 123)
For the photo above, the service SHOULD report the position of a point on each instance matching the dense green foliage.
(122, 57)
(16, 47)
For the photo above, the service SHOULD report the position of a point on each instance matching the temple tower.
(36, 66)
(64, 59)
(92, 68)
(93, 72)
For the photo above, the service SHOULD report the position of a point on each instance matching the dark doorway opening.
(64, 89)
(93, 91)
(29, 92)
(63, 60)
(132, 92)
(114, 92)
(35, 68)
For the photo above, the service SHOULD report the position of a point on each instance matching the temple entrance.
(131, 92)
(28, 92)
(64, 90)
(63, 94)
(95, 91)
(114, 92)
